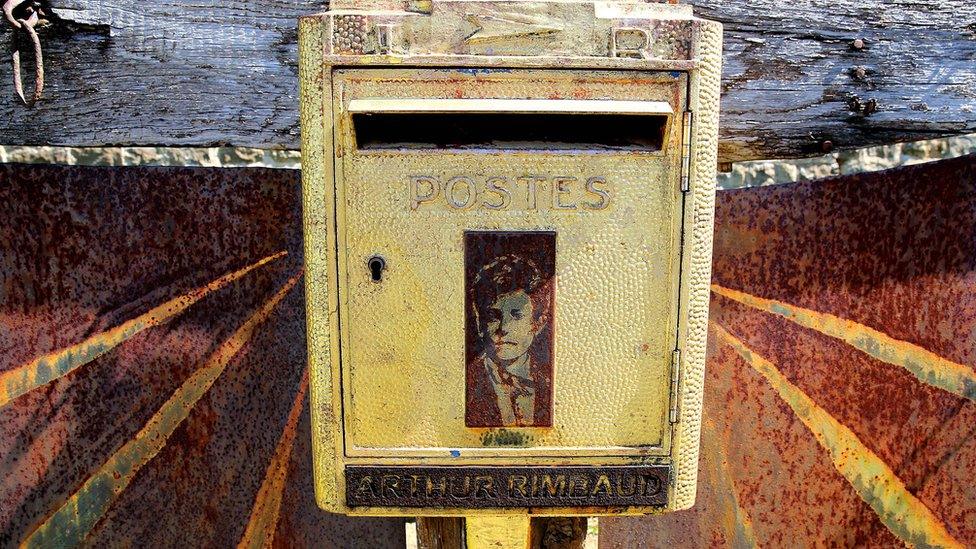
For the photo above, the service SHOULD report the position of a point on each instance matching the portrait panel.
(509, 312)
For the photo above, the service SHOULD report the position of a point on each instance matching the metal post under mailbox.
(508, 224)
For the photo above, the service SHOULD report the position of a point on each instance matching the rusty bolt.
(870, 107)
(860, 73)
(866, 108)
(827, 146)
(858, 44)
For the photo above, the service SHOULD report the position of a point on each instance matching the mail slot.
(508, 218)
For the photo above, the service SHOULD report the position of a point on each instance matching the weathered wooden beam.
(805, 76)
(801, 76)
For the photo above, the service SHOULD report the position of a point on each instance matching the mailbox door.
(564, 183)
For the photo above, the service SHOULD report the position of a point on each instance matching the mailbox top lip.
(483, 62)
(427, 6)
(540, 34)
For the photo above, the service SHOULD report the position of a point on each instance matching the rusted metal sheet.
(852, 299)
(839, 401)
(153, 384)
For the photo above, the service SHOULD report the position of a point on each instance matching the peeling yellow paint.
(43, 370)
(267, 505)
(76, 517)
(927, 366)
(904, 514)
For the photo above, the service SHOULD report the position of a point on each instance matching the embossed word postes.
(505, 487)
(515, 193)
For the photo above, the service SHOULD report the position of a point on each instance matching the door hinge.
(675, 373)
(687, 121)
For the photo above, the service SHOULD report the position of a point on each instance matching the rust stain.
(927, 366)
(267, 506)
(873, 480)
(45, 369)
(76, 517)
(735, 519)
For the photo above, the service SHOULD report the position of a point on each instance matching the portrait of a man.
(510, 294)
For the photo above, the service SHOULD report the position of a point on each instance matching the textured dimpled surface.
(704, 157)
(616, 294)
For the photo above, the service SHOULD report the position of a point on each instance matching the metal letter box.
(508, 224)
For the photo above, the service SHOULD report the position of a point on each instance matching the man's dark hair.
(506, 274)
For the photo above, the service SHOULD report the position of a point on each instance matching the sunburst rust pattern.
(86, 249)
(72, 522)
(267, 506)
(924, 364)
(45, 369)
(872, 479)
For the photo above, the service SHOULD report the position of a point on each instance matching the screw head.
(870, 107)
(858, 44)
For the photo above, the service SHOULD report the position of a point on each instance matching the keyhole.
(376, 266)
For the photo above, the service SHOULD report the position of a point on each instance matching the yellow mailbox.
(508, 223)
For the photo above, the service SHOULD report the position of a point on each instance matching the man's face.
(510, 325)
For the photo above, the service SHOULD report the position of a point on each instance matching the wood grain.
(794, 78)
(440, 533)
(177, 73)
(558, 533)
